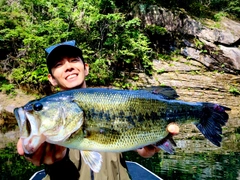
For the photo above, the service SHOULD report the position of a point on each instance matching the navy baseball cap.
(58, 51)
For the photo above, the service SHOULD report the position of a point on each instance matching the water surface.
(196, 158)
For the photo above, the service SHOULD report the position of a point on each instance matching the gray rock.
(10, 108)
(233, 54)
(212, 47)
(219, 36)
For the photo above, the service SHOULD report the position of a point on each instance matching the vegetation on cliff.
(111, 34)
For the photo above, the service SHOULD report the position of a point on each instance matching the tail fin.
(211, 121)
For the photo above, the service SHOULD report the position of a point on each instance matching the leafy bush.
(109, 40)
(219, 16)
(234, 90)
(7, 88)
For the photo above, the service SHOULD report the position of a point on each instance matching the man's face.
(69, 73)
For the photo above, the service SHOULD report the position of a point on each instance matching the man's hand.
(45, 154)
(149, 151)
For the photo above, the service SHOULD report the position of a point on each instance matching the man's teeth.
(71, 76)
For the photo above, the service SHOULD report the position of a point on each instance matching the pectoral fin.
(92, 159)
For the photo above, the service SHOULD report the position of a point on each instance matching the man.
(67, 70)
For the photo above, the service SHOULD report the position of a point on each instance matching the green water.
(197, 159)
(192, 166)
(199, 166)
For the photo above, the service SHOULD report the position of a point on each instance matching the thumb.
(20, 147)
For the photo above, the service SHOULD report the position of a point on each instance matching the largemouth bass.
(106, 120)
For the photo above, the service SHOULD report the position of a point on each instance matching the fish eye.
(37, 106)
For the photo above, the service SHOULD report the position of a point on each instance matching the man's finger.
(173, 128)
(20, 147)
(147, 151)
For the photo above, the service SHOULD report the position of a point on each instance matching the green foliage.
(122, 84)
(119, 40)
(226, 7)
(100, 73)
(159, 37)
(156, 30)
(3, 79)
(109, 40)
(30, 36)
(233, 90)
(7, 88)
(135, 78)
(198, 44)
(205, 8)
(219, 16)
(160, 71)
(14, 166)
(164, 57)
(234, 8)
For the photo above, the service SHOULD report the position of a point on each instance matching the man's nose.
(68, 65)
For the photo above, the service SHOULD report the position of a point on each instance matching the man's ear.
(86, 69)
(52, 80)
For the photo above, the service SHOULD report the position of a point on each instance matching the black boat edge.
(137, 171)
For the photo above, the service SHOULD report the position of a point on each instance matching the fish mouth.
(26, 122)
(28, 131)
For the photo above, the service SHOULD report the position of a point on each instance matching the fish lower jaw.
(28, 150)
(32, 143)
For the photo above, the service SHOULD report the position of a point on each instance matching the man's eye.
(57, 65)
(75, 60)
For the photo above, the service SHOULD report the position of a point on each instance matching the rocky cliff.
(214, 44)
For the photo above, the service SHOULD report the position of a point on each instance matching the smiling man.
(66, 67)
(67, 70)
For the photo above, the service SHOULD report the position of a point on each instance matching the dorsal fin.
(166, 91)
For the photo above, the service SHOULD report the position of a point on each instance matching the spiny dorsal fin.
(166, 91)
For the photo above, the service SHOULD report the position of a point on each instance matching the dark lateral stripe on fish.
(132, 120)
(141, 117)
